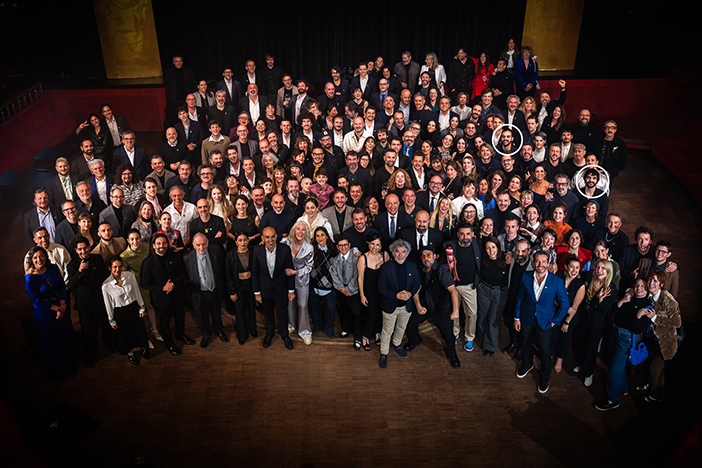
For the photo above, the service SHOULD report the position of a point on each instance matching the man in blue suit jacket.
(398, 282)
(141, 163)
(542, 302)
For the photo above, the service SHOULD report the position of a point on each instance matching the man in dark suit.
(389, 223)
(273, 285)
(407, 71)
(250, 77)
(461, 72)
(86, 273)
(398, 281)
(377, 98)
(421, 236)
(339, 214)
(41, 215)
(230, 86)
(79, 165)
(62, 186)
(297, 104)
(429, 199)
(119, 215)
(68, 228)
(163, 274)
(87, 204)
(205, 267)
(116, 124)
(535, 314)
(420, 113)
(178, 82)
(514, 116)
(253, 103)
(129, 153)
(364, 81)
(246, 147)
(174, 149)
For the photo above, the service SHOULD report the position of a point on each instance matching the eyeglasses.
(609, 127)
(427, 256)
(343, 245)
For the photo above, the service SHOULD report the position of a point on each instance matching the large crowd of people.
(405, 193)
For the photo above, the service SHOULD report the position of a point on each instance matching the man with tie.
(205, 268)
(391, 221)
(429, 199)
(536, 312)
(62, 186)
(345, 279)
(421, 236)
(272, 285)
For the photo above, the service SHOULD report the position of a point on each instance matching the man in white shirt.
(354, 140)
(182, 212)
(100, 182)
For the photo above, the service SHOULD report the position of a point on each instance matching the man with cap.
(437, 299)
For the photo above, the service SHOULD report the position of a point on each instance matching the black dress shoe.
(254, 334)
(288, 342)
(488, 353)
(186, 339)
(267, 341)
(455, 363)
(204, 342)
(242, 342)
(383, 363)
(357, 345)
(145, 353)
(409, 346)
(510, 348)
(400, 351)
(173, 349)
(223, 337)
(133, 359)
(344, 334)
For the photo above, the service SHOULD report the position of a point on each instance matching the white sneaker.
(307, 341)
(576, 369)
(588, 381)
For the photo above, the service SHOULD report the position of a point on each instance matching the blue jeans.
(616, 378)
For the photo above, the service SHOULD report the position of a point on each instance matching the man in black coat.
(210, 225)
(273, 284)
(421, 236)
(178, 82)
(62, 184)
(230, 86)
(120, 215)
(133, 155)
(207, 286)
(389, 223)
(86, 273)
(163, 274)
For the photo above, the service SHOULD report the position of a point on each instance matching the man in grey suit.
(344, 275)
(407, 71)
(205, 269)
(118, 215)
(247, 148)
(340, 215)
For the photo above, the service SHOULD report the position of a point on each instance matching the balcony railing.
(20, 102)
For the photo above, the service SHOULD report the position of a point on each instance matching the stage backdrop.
(308, 38)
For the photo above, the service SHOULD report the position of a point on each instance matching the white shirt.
(444, 121)
(193, 116)
(286, 141)
(58, 255)
(221, 137)
(420, 178)
(120, 296)
(102, 190)
(228, 84)
(364, 83)
(461, 202)
(422, 240)
(368, 131)
(181, 222)
(298, 106)
(405, 110)
(339, 139)
(352, 142)
(130, 155)
(539, 288)
(270, 260)
(254, 109)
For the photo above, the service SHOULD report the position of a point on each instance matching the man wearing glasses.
(206, 174)
(129, 153)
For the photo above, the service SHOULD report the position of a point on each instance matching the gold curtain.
(552, 29)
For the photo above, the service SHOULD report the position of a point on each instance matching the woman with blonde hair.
(222, 207)
(303, 260)
(600, 296)
(528, 106)
(442, 218)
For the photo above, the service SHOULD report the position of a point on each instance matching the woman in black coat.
(240, 290)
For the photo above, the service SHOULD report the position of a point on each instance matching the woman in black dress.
(575, 288)
(239, 287)
(245, 220)
(368, 272)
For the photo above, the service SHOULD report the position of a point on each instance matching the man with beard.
(172, 150)
(460, 74)
(163, 274)
(561, 194)
(223, 113)
(546, 104)
(129, 153)
(181, 211)
(611, 151)
(108, 246)
(330, 98)
(280, 219)
(62, 186)
(230, 86)
(339, 214)
(465, 263)
(210, 225)
(577, 162)
(586, 132)
(437, 299)
(591, 192)
(86, 203)
(421, 236)
(614, 237)
(160, 174)
(360, 232)
(519, 265)
(118, 215)
(68, 228)
(41, 215)
(272, 77)
(186, 180)
(341, 85)
(332, 153)
(79, 166)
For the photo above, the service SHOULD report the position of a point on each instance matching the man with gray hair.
(181, 211)
(100, 182)
(129, 153)
(398, 281)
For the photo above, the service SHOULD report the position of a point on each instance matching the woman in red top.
(573, 240)
(483, 71)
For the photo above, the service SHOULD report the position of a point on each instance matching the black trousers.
(245, 311)
(543, 338)
(562, 340)
(210, 306)
(589, 334)
(92, 318)
(508, 319)
(443, 323)
(173, 310)
(350, 314)
(276, 306)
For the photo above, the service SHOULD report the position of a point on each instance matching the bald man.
(273, 287)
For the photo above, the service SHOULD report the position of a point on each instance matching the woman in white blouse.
(125, 310)
(435, 69)
(312, 217)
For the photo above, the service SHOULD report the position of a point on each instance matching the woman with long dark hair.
(322, 292)
(368, 265)
(238, 268)
(492, 294)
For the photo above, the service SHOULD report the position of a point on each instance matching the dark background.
(59, 43)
